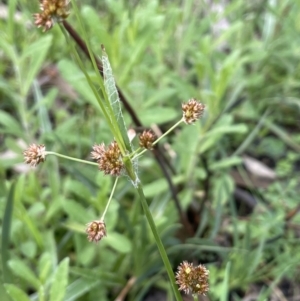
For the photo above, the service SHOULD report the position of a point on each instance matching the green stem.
(110, 198)
(159, 243)
(162, 136)
(71, 158)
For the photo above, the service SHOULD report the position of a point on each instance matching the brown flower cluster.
(192, 111)
(110, 159)
(146, 139)
(192, 279)
(35, 154)
(96, 230)
(51, 11)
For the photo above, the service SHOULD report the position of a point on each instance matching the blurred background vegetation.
(236, 173)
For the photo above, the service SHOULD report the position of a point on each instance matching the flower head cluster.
(35, 154)
(110, 159)
(146, 139)
(192, 279)
(51, 11)
(96, 230)
(192, 111)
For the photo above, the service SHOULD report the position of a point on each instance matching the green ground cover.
(231, 197)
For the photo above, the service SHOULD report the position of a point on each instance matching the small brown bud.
(110, 159)
(146, 139)
(192, 279)
(192, 111)
(35, 154)
(51, 11)
(96, 230)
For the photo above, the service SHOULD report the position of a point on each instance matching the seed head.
(110, 159)
(192, 279)
(146, 139)
(96, 230)
(192, 111)
(35, 154)
(51, 11)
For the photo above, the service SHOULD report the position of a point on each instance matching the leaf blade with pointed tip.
(5, 233)
(60, 282)
(15, 293)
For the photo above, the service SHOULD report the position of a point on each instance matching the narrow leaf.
(113, 97)
(19, 268)
(58, 288)
(79, 288)
(15, 293)
(10, 125)
(5, 233)
(226, 163)
(33, 57)
(118, 242)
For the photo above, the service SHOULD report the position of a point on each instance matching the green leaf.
(19, 268)
(44, 266)
(6, 233)
(118, 242)
(212, 136)
(113, 97)
(76, 211)
(73, 75)
(11, 17)
(8, 49)
(282, 134)
(225, 286)
(10, 125)
(32, 59)
(15, 293)
(225, 163)
(158, 115)
(59, 285)
(79, 287)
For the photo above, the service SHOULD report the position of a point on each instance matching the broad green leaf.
(73, 75)
(60, 281)
(211, 138)
(79, 287)
(77, 212)
(44, 267)
(8, 49)
(19, 268)
(29, 249)
(10, 125)
(118, 242)
(27, 220)
(77, 188)
(15, 293)
(159, 115)
(158, 186)
(32, 59)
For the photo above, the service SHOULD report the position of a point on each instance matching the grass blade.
(6, 233)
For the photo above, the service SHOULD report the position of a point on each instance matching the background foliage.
(236, 172)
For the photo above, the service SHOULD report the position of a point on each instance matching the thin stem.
(168, 131)
(162, 136)
(159, 243)
(110, 198)
(71, 158)
(195, 297)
